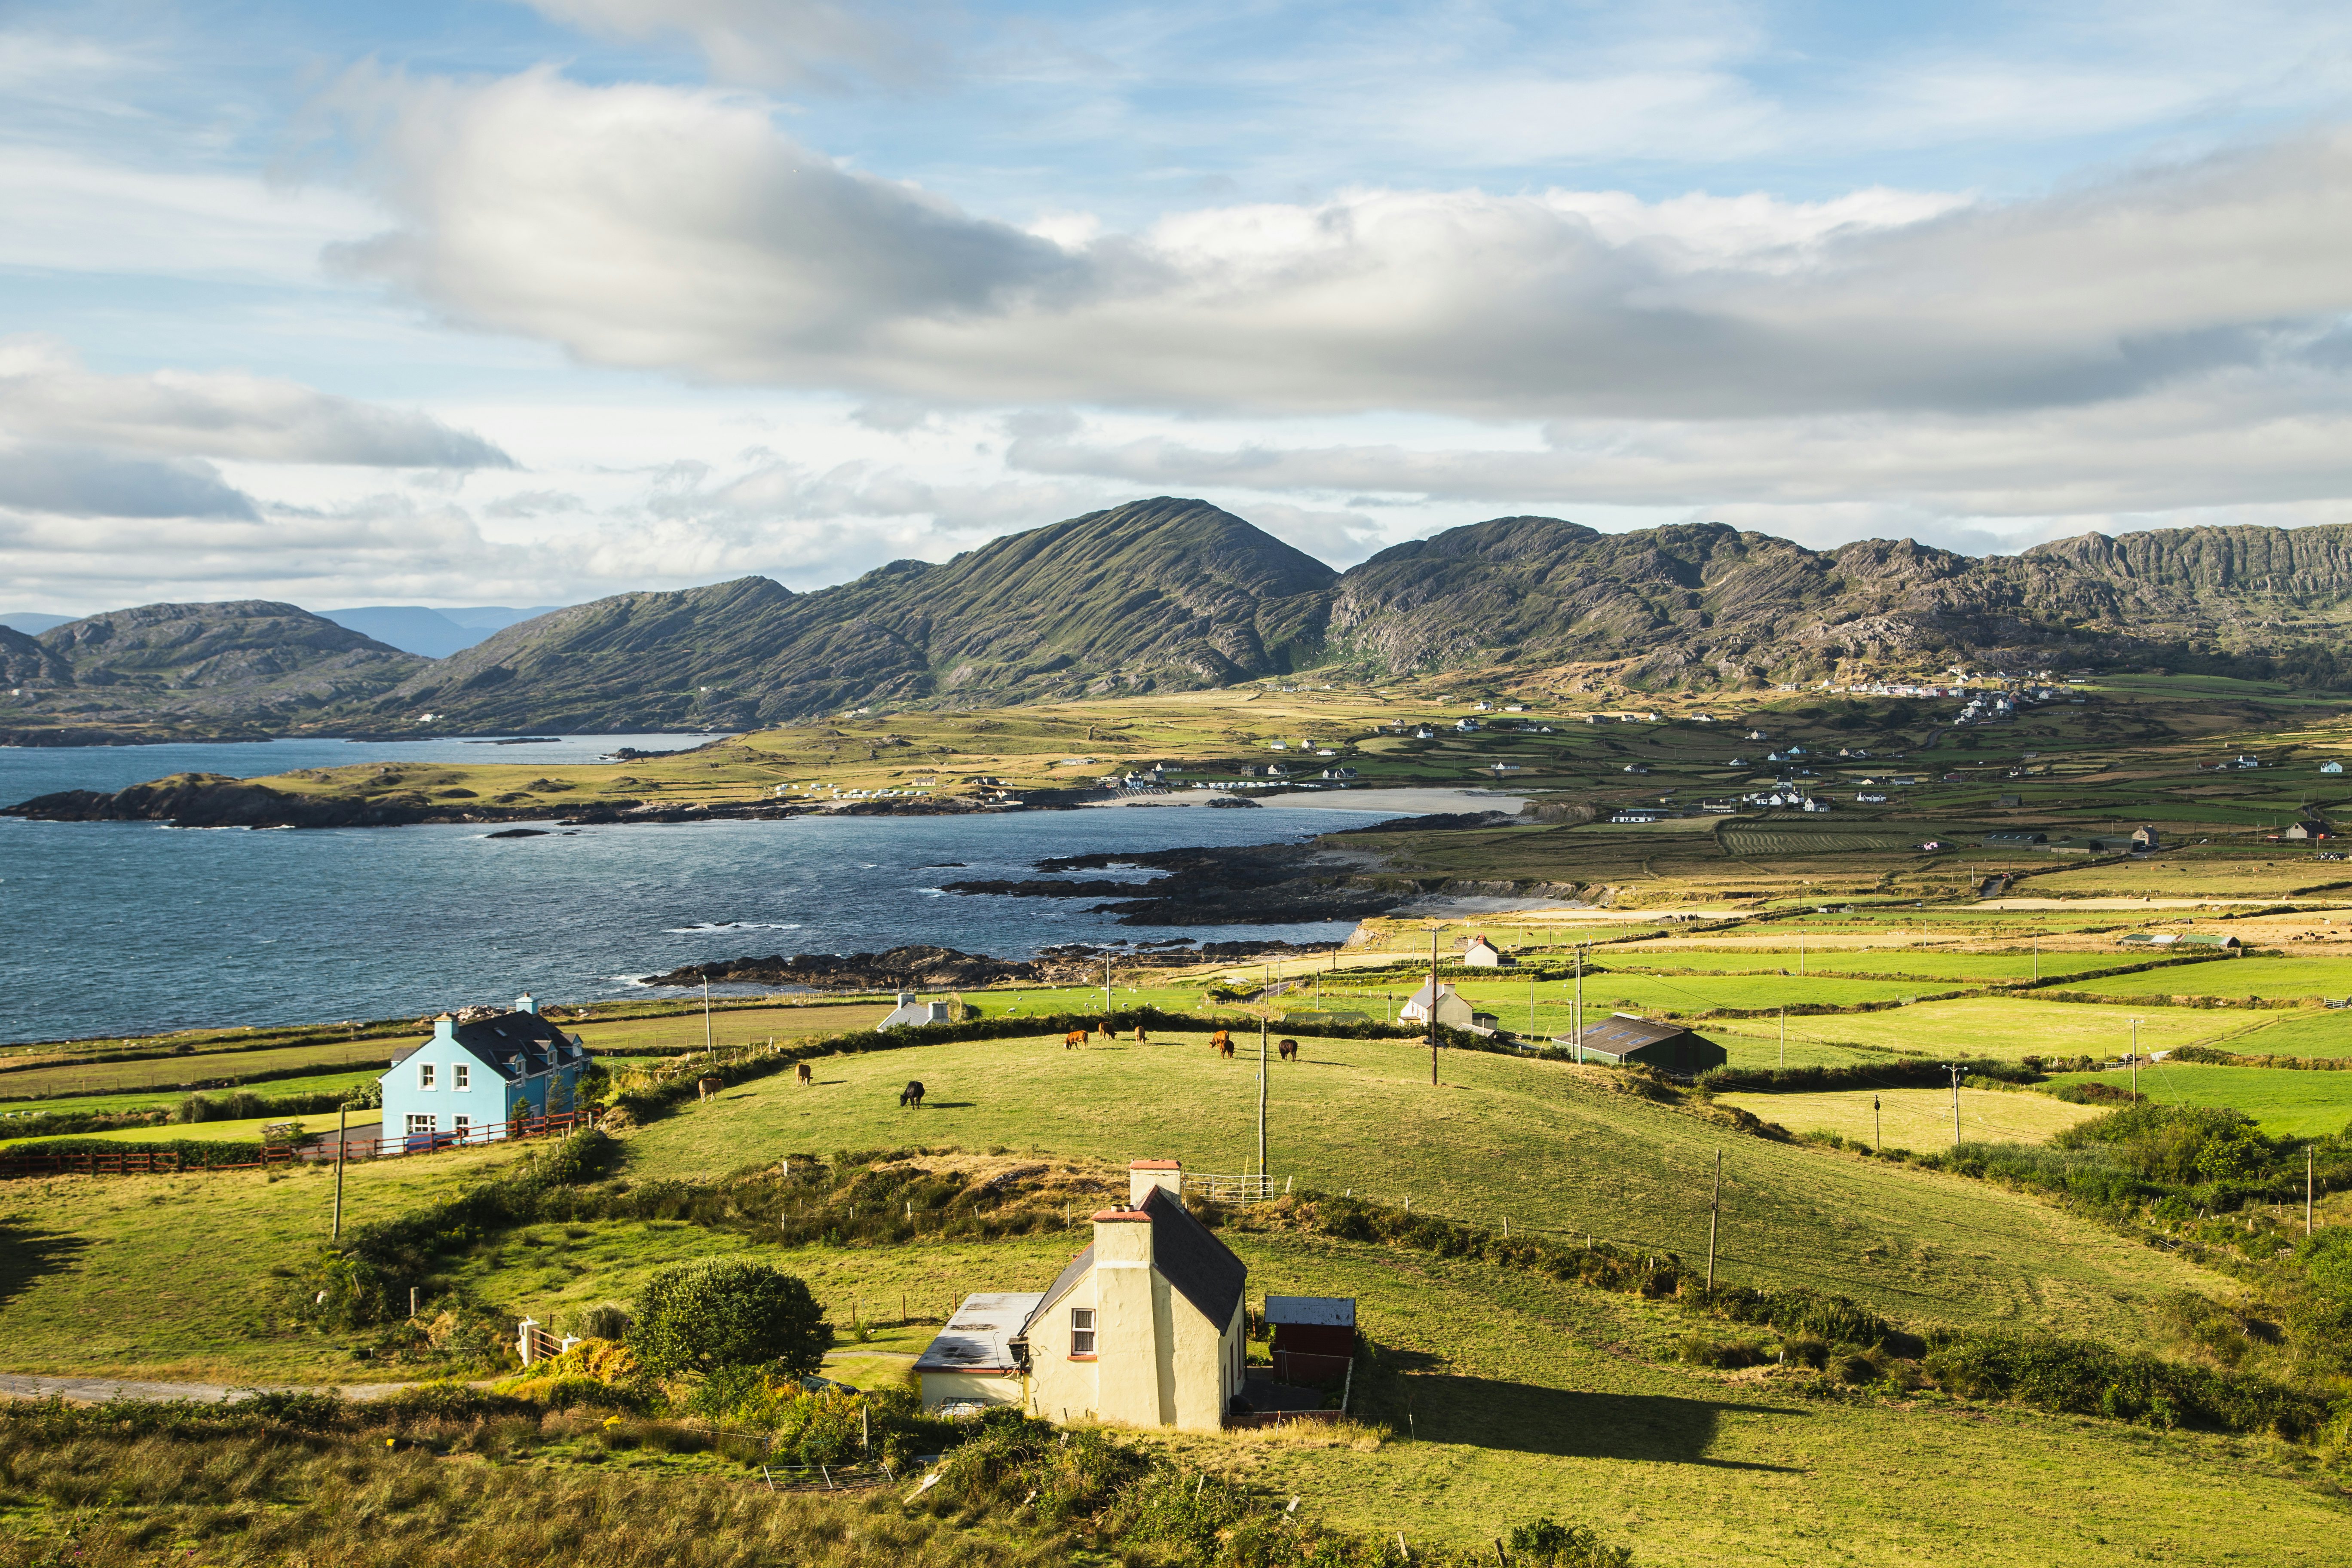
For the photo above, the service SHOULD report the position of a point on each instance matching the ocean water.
(28, 771)
(120, 927)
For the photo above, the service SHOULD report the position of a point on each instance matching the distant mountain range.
(1174, 594)
(411, 628)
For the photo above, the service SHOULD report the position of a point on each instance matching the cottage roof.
(515, 1045)
(1188, 1254)
(979, 1337)
(1623, 1032)
(1312, 1312)
(1420, 997)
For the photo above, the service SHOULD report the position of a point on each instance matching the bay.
(123, 928)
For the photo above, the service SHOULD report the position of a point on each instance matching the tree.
(702, 1317)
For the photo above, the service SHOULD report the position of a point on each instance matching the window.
(464, 1076)
(1082, 1330)
(461, 1122)
(417, 1124)
(425, 1074)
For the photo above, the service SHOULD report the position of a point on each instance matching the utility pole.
(1801, 957)
(1957, 1073)
(1106, 991)
(1432, 1007)
(1713, 1212)
(2037, 956)
(706, 1045)
(1877, 1128)
(1262, 1168)
(1531, 1005)
(2306, 1192)
(2135, 1061)
(342, 1131)
(1576, 1013)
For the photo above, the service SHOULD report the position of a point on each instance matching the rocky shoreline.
(945, 968)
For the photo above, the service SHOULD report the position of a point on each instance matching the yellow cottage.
(1145, 1327)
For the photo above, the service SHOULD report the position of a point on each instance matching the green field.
(171, 1076)
(2287, 1103)
(2017, 1027)
(1917, 1118)
(211, 1132)
(2315, 1033)
(1549, 1146)
(1959, 968)
(2237, 977)
(167, 1099)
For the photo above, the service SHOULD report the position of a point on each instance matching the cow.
(1221, 1042)
(1074, 1039)
(1139, 1034)
(800, 1071)
(911, 1095)
(1288, 1050)
(707, 1089)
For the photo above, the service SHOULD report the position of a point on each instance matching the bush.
(703, 1317)
(1555, 1545)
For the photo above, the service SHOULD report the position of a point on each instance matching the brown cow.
(800, 1071)
(1288, 1050)
(707, 1089)
(1074, 1039)
(1223, 1044)
(1139, 1034)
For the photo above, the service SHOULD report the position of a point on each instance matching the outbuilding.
(1313, 1338)
(1624, 1037)
(913, 1012)
(1483, 954)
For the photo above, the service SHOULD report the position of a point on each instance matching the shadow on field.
(27, 1254)
(1656, 1428)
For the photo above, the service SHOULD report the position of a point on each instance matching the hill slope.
(1156, 595)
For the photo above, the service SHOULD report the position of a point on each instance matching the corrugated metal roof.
(1316, 1311)
(979, 1337)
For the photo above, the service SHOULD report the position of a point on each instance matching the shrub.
(700, 1318)
(1698, 1350)
(1556, 1545)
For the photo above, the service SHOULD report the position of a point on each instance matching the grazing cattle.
(1289, 1049)
(1139, 1034)
(707, 1089)
(1224, 1043)
(912, 1095)
(800, 1071)
(1074, 1039)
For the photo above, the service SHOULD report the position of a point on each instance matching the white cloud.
(46, 393)
(76, 482)
(661, 228)
(777, 43)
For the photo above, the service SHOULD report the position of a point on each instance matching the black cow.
(911, 1095)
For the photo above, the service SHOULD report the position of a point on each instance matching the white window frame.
(425, 1077)
(461, 1077)
(1082, 1330)
(419, 1123)
(461, 1125)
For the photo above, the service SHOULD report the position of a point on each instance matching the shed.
(972, 1361)
(1624, 1037)
(2017, 838)
(1313, 1338)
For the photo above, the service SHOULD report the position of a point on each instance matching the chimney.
(1142, 1175)
(523, 1004)
(445, 1027)
(906, 998)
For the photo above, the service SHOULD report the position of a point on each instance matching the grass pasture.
(2012, 1026)
(1550, 1146)
(1955, 968)
(2285, 1102)
(1918, 1119)
(2270, 978)
(170, 1075)
(2314, 1032)
(248, 1127)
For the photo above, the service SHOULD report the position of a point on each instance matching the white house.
(1483, 954)
(1144, 1328)
(1453, 1011)
(912, 1012)
(2331, 767)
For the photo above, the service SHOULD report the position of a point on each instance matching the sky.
(529, 301)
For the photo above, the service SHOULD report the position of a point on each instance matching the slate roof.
(1188, 1254)
(979, 1337)
(1622, 1031)
(515, 1045)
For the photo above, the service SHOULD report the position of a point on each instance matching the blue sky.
(500, 302)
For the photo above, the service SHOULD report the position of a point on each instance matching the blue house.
(473, 1079)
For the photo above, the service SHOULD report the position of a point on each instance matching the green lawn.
(2317, 1032)
(2017, 1027)
(1528, 1396)
(2236, 977)
(211, 1132)
(167, 1099)
(1959, 968)
(2287, 1103)
(1918, 1119)
(1549, 1146)
(172, 1074)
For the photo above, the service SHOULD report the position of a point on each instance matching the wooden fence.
(92, 1162)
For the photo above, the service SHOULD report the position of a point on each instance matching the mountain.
(435, 633)
(25, 662)
(1155, 596)
(248, 660)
